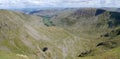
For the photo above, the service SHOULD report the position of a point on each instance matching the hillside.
(99, 25)
(81, 34)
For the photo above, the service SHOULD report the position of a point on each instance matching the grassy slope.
(12, 34)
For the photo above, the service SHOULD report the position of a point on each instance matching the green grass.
(47, 22)
(6, 55)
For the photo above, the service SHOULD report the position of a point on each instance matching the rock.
(102, 43)
(85, 53)
(108, 44)
(44, 49)
(106, 35)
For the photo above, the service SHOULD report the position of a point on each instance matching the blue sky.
(58, 3)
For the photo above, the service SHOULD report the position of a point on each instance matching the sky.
(58, 3)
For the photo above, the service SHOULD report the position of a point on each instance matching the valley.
(87, 33)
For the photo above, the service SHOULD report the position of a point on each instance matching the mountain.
(80, 34)
(88, 21)
(51, 12)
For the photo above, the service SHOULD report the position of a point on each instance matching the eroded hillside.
(74, 36)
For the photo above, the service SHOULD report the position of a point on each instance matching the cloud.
(58, 3)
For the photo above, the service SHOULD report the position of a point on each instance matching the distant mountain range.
(54, 11)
